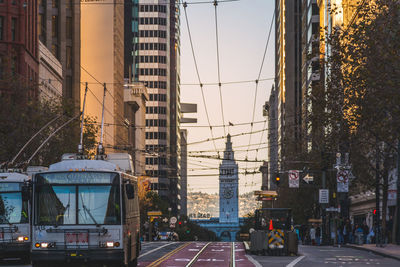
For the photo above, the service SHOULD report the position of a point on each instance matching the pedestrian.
(318, 235)
(389, 229)
(365, 232)
(312, 235)
(340, 233)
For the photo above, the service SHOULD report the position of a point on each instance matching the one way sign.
(308, 178)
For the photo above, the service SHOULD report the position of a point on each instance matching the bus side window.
(130, 191)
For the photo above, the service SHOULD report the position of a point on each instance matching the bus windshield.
(12, 208)
(77, 198)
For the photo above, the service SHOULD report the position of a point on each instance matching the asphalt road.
(214, 253)
(327, 256)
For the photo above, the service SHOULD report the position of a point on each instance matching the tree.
(357, 109)
(22, 114)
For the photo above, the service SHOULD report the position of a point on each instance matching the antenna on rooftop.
(80, 146)
(100, 148)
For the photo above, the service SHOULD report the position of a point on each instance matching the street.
(220, 254)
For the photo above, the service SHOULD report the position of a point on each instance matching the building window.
(69, 27)
(55, 4)
(1, 26)
(42, 28)
(54, 26)
(69, 57)
(13, 29)
(42, 3)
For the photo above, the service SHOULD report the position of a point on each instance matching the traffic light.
(277, 179)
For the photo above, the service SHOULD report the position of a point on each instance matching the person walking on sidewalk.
(312, 235)
(318, 235)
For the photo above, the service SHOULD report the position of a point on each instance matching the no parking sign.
(294, 178)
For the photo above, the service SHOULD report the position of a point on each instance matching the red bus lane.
(216, 255)
(182, 257)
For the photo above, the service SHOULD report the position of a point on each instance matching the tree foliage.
(23, 114)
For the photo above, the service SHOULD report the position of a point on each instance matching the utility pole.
(397, 225)
(377, 196)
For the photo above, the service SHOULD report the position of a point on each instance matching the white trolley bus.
(14, 216)
(85, 211)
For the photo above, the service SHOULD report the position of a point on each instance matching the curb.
(374, 251)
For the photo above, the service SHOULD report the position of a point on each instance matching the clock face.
(228, 193)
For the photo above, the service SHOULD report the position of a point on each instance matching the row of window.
(156, 173)
(155, 84)
(156, 135)
(155, 72)
(156, 161)
(13, 28)
(153, 21)
(153, 8)
(151, 46)
(160, 123)
(153, 33)
(152, 59)
(156, 110)
(156, 148)
(158, 97)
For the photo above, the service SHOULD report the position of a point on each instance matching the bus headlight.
(109, 244)
(22, 238)
(44, 245)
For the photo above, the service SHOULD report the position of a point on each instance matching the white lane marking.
(193, 249)
(151, 251)
(197, 255)
(233, 255)
(250, 258)
(182, 260)
(293, 263)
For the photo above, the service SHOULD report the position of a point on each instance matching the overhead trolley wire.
(198, 74)
(218, 66)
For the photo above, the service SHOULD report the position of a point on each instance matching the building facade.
(135, 98)
(183, 181)
(58, 25)
(288, 95)
(155, 62)
(102, 54)
(50, 73)
(18, 40)
(228, 186)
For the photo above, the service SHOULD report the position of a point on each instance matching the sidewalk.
(389, 250)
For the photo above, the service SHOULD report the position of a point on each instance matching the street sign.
(308, 178)
(333, 209)
(265, 193)
(173, 220)
(324, 196)
(154, 213)
(294, 178)
(342, 179)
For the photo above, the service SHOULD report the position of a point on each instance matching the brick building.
(18, 39)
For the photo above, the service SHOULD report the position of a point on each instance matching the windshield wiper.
(88, 211)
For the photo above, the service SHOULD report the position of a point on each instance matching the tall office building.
(18, 40)
(102, 56)
(155, 62)
(58, 26)
(288, 86)
(310, 69)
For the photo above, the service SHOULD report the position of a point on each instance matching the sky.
(243, 28)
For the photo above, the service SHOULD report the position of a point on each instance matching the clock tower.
(228, 186)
